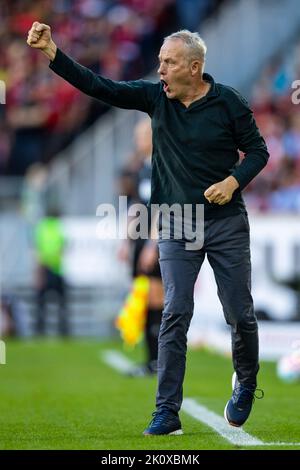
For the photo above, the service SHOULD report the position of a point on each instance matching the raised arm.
(39, 37)
(138, 94)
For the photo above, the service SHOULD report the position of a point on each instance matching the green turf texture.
(60, 395)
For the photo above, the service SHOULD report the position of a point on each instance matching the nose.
(161, 69)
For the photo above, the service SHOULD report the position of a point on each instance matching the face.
(175, 70)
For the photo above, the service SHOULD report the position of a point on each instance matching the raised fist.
(39, 36)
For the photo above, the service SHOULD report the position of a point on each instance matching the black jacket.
(193, 147)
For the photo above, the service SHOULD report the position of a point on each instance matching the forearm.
(79, 76)
(127, 95)
(251, 166)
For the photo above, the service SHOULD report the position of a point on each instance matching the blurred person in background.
(33, 198)
(7, 323)
(5, 143)
(12, 316)
(144, 253)
(49, 247)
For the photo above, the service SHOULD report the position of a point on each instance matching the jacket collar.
(213, 91)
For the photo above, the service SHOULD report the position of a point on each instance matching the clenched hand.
(39, 37)
(221, 193)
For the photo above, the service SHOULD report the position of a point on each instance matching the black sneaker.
(164, 422)
(238, 408)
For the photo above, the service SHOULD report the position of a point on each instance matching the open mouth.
(165, 85)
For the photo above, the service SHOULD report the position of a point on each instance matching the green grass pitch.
(60, 395)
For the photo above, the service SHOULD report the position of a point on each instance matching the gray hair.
(194, 43)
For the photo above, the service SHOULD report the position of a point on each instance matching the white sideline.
(235, 436)
(116, 360)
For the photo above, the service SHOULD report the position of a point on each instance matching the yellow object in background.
(132, 317)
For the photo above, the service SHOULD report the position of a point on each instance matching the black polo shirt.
(193, 147)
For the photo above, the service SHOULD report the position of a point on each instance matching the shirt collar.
(213, 91)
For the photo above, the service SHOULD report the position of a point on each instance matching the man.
(50, 245)
(198, 127)
(143, 253)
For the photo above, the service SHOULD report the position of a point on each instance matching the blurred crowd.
(277, 188)
(116, 38)
(120, 39)
(43, 112)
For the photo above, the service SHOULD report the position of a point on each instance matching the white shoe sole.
(179, 432)
(225, 413)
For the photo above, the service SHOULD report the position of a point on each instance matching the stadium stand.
(118, 39)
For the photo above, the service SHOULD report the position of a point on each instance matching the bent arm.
(249, 141)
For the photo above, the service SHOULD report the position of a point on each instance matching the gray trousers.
(226, 244)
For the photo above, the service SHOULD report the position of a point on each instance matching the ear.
(196, 67)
